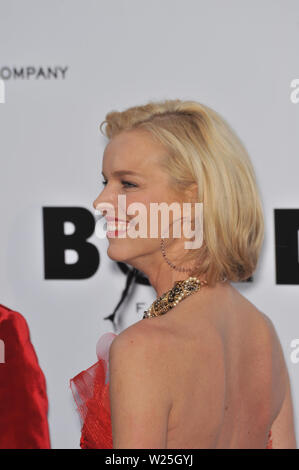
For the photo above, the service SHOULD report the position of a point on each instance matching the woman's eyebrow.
(124, 172)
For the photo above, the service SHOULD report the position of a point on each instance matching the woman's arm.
(139, 390)
(283, 432)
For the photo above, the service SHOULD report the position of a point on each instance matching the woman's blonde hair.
(203, 149)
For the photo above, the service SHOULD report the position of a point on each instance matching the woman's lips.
(115, 219)
(116, 227)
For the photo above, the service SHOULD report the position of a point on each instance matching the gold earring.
(184, 270)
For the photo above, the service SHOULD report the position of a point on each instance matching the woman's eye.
(132, 185)
(126, 183)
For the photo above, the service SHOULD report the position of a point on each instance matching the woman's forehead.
(135, 152)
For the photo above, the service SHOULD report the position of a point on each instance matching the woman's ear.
(192, 192)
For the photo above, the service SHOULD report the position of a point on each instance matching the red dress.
(91, 392)
(23, 391)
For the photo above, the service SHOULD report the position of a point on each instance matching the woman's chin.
(116, 251)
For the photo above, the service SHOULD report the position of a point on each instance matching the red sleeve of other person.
(23, 394)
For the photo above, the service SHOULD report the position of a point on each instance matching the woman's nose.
(98, 201)
(103, 202)
(95, 203)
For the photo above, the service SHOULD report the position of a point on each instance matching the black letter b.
(56, 242)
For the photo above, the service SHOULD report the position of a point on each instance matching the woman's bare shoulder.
(276, 344)
(283, 430)
(147, 334)
(140, 390)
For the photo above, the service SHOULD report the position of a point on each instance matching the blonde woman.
(204, 367)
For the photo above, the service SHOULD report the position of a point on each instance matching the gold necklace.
(173, 296)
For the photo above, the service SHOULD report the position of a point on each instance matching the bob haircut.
(202, 148)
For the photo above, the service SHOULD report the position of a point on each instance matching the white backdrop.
(239, 57)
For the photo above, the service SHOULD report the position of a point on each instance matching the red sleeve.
(23, 395)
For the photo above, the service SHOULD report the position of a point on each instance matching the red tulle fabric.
(23, 396)
(91, 392)
(269, 443)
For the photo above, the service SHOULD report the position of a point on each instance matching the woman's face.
(142, 180)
